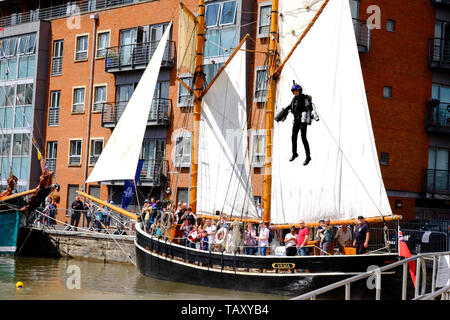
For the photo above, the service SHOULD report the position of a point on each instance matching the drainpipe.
(91, 80)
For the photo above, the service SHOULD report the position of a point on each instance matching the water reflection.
(46, 278)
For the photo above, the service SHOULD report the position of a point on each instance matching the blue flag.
(128, 187)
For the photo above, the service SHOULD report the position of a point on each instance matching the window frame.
(53, 106)
(92, 143)
(187, 140)
(254, 134)
(94, 102)
(77, 51)
(97, 49)
(188, 103)
(71, 163)
(74, 96)
(259, 34)
(255, 87)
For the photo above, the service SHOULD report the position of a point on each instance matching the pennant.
(128, 187)
(403, 251)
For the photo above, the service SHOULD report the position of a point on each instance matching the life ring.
(221, 235)
(191, 237)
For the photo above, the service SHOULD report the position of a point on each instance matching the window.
(5, 152)
(387, 92)
(264, 20)
(50, 160)
(57, 57)
(24, 100)
(78, 100)
(221, 34)
(81, 51)
(390, 25)
(384, 158)
(9, 46)
(94, 191)
(75, 152)
(27, 66)
(438, 179)
(441, 114)
(185, 98)
(20, 155)
(260, 94)
(99, 98)
(258, 143)
(95, 151)
(183, 195)
(53, 112)
(183, 143)
(6, 107)
(102, 44)
(26, 44)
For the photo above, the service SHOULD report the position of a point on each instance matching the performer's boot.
(294, 155)
(307, 160)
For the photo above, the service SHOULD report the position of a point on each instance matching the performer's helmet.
(296, 87)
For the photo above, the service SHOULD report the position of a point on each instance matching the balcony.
(160, 113)
(362, 33)
(137, 56)
(64, 10)
(154, 172)
(438, 2)
(437, 182)
(437, 119)
(439, 53)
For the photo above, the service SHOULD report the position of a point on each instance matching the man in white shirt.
(211, 231)
(343, 237)
(263, 239)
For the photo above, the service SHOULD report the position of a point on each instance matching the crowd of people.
(208, 234)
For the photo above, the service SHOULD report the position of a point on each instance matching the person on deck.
(343, 237)
(190, 216)
(211, 232)
(249, 239)
(290, 241)
(186, 228)
(362, 236)
(302, 239)
(77, 208)
(327, 237)
(263, 239)
(301, 108)
(99, 218)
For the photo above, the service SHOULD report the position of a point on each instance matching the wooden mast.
(198, 88)
(270, 111)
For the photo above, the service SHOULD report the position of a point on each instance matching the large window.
(20, 155)
(185, 98)
(75, 152)
(264, 19)
(95, 150)
(260, 94)
(53, 112)
(6, 107)
(258, 148)
(183, 145)
(441, 114)
(438, 170)
(102, 44)
(99, 98)
(5, 152)
(57, 57)
(24, 100)
(52, 151)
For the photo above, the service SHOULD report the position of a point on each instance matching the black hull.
(162, 259)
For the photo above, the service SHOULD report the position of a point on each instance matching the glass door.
(127, 40)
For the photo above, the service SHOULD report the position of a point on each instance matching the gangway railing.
(421, 279)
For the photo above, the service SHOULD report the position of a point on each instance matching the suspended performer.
(301, 108)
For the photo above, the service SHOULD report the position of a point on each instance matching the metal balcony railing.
(137, 56)
(51, 164)
(68, 9)
(154, 172)
(57, 66)
(437, 116)
(362, 33)
(160, 113)
(437, 182)
(439, 53)
(53, 116)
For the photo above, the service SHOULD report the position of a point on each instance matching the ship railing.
(437, 258)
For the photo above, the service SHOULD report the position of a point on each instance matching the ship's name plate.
(280, 265)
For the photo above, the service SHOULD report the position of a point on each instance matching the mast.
(270, 111)
(198, 87)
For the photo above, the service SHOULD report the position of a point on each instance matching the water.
(56, 279)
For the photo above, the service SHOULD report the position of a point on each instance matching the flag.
(403, 251)
(128, 187)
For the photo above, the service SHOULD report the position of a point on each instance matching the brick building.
(404, 63)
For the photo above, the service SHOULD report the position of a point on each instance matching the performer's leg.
(295, 129)
(304, 128)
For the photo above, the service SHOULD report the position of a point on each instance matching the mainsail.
(343, 180)
(119, 158)
(224, 182)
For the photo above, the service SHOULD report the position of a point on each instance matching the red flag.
(403, 251)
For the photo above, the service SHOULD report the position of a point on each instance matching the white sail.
(343, 180)
(119, 158)
(224, 182)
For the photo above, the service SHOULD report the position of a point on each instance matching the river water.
(73, 279)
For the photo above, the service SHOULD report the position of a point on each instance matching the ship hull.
(163, 259)
(9, 228)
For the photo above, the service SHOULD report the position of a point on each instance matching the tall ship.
(312, 44)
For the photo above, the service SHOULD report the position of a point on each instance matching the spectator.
(263, 239)
(77, 208)
(99, 218)
(249, 239)
(190, 216)
(343, 237)
(302, 239)
(186, 228)
(327, 238)
(50, 213)
(290, 242)
(204, 242)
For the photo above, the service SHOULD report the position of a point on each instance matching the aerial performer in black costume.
(302, 109)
